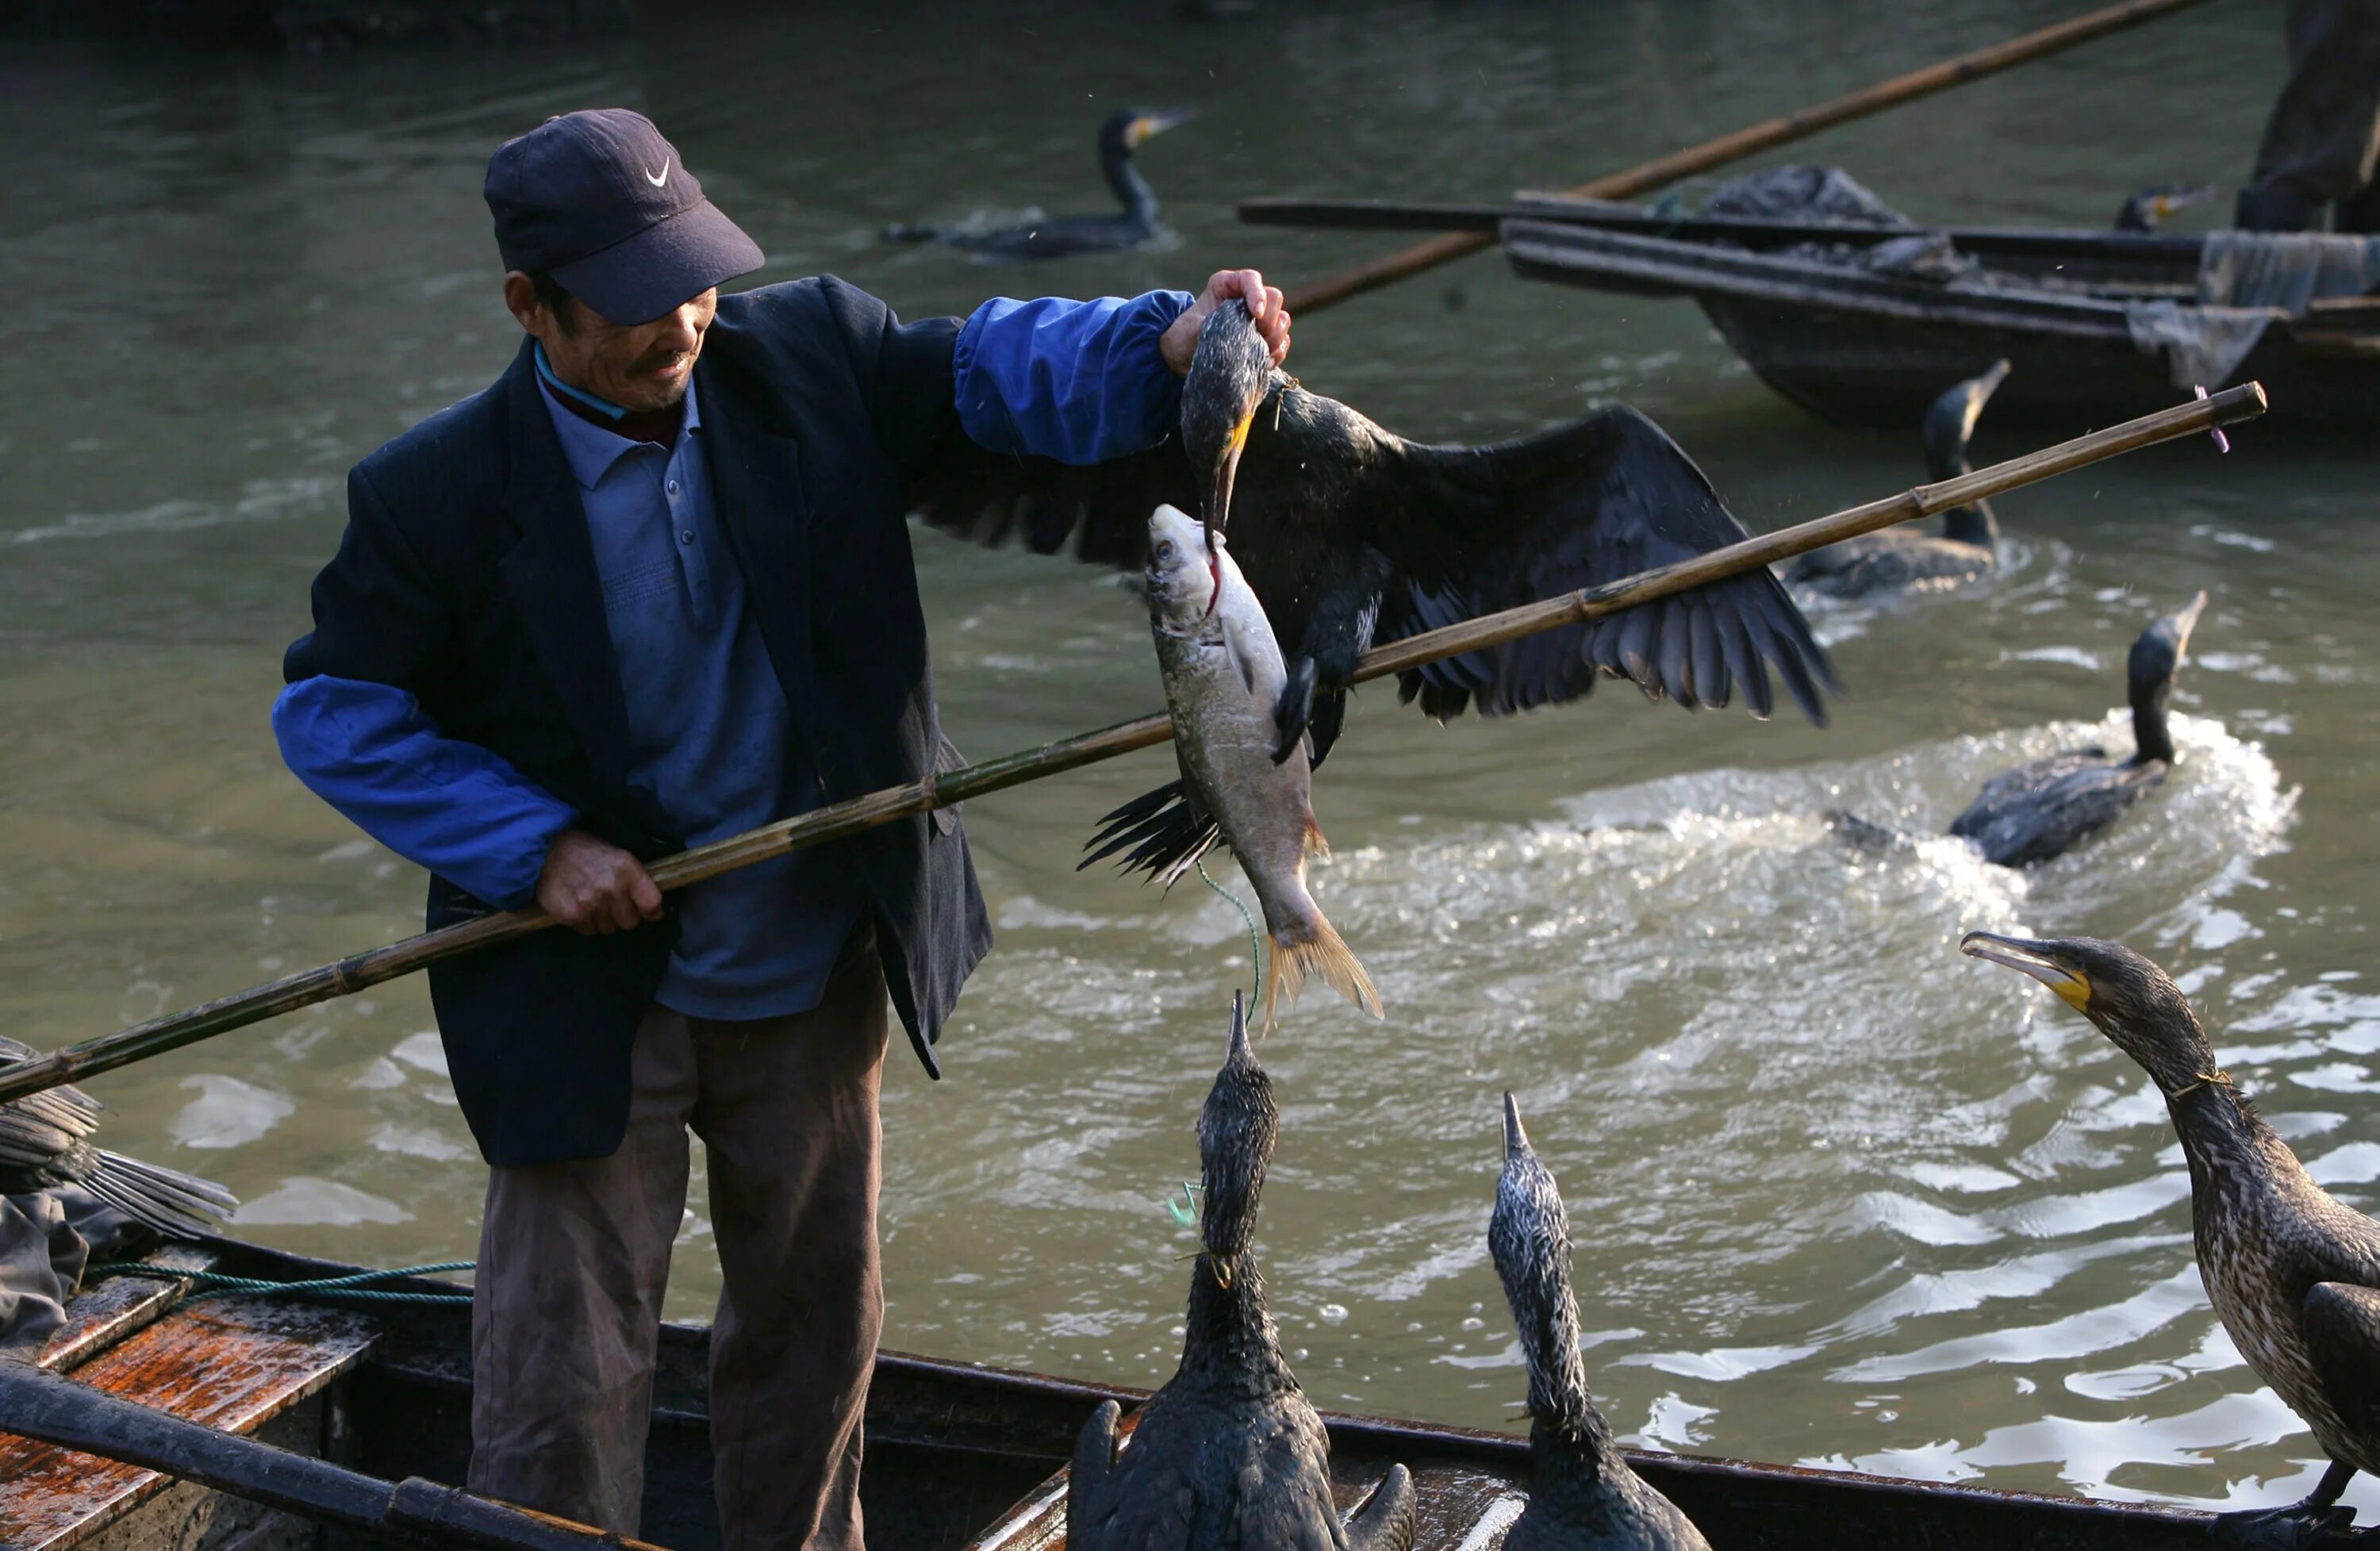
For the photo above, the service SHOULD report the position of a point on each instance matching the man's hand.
(592, 887)
(1179, 343)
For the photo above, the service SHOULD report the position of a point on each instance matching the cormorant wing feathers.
(2040, 810)
(1099, 511)
(1478, 529)
(1167, 831)
(2342, 1329)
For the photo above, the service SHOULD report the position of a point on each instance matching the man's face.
(636, 366)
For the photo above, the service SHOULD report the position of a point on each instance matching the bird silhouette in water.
(1350, 536)
(2145, 211)
(1229, 1454)
(2044, 807)
(2293, 1272)
(45, 1142)
(1899, 558)
(1059, 236)
(1582, 1495)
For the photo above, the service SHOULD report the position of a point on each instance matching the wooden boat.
(1863, 348)
(959, 1455)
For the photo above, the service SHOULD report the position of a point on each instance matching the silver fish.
(1224, 677)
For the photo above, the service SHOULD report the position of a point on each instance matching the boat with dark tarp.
(1862, 317)
(959, 1455)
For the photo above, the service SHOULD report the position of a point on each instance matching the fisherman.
(651, 588)
(2323, 139)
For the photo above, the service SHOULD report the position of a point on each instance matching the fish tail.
(1316, 950)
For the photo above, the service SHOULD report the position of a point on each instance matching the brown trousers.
(573, 1258)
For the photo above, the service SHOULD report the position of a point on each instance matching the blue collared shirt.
(711, 732)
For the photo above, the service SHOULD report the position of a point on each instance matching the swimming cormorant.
(1583, 1497)
(1124, 132)
(1229, 1454)
(1351, 535)
(2042, 809)
(2144, 211)
(45, 1142)
(1965, 550)
(2293, 1272)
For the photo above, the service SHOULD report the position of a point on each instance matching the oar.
(1757, 138)
(414, 1512)
(837, 820)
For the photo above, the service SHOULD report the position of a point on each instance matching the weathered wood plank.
(232, 1363)
(104, 1315)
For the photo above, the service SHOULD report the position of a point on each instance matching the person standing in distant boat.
(650, 588)
(2322, 141)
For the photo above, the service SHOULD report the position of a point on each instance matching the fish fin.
(1324, 955)
(1312, 840)
(1163, 833)
(1236, 652)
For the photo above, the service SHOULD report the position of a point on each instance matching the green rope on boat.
(205, 1283)
(1256, 943)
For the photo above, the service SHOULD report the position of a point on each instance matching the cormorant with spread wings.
(1351, 535)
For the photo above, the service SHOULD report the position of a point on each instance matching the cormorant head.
(1231, 372)
(1529, 1238)
(2133, 1002)
(1127, 129)
(2146, 210)
(2148, 675)
(1950, 420)
(1236, 1130)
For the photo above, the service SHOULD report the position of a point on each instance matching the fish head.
(2131, 1000)
(1236, 1132)
(1231, 373)
(1184, 574)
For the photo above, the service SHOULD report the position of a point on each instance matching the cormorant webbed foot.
(1296, 709)
(2298, 1527)
(1386, 1521)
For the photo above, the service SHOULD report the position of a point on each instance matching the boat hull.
(960, 1455)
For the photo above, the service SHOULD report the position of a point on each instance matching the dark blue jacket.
(467, 576)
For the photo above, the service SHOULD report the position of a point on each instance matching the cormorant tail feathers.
(1388, 1518)
(1095, 1452)
(1163, 833)
(1322, 954)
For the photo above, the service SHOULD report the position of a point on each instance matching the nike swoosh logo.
(660, 179)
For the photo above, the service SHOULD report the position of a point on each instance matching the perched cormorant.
(2146, 210)
(1965, 550)
(2293, 1272)
(1229, 1454)
(45, 1142)
(1351, 535)
(2042, 809)
(1583, 1497)
(1057, 237)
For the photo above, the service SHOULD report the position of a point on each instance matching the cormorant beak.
(1152, 124)
(2185, 621)
(1239, 1046)
(1219, 499)
(1980, 393)
(2040, 960)
(1516, 1141)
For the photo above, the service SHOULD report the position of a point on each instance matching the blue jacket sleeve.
(1077, 381)
(369, 751)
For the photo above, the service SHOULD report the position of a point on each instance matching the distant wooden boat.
(1859, 347)
(958, 1455)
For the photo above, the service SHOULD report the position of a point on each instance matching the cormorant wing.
(1098, 510)
(2342, 1328)
(1476, 529)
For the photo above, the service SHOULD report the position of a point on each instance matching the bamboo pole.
(1757, 138)
(854, 815)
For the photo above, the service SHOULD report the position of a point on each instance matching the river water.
(1840, 1195)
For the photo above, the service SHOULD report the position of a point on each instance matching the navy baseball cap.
(600, 202)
